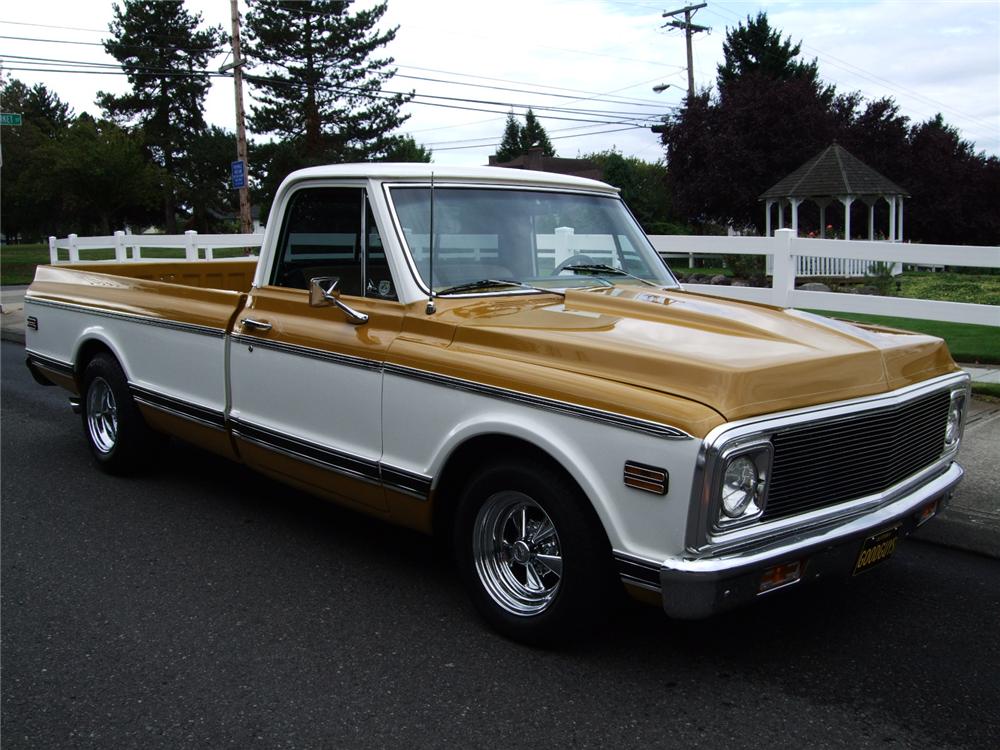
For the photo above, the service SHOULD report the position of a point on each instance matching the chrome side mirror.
(323, 292)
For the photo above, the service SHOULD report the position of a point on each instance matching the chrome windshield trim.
(702, 541)
(426, 183)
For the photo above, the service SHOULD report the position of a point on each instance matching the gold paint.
(211, 439)
(643, 595)
(325, 482)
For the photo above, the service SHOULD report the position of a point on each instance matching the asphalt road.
(205, 606)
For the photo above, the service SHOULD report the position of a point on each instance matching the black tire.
(530, 583)
(120, 440)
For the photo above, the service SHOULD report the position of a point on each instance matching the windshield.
(534, 237)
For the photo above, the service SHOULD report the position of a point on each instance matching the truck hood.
(739, 358)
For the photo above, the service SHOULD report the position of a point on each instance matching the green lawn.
(967, 343)
(17, 262)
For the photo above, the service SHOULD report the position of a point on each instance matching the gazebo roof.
(833, 172)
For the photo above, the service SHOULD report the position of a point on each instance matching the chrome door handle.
(260, 325)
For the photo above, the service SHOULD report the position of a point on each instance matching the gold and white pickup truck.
(501, 358)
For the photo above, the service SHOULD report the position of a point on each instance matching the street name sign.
(10, 118)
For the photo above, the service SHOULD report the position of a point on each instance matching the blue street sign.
(239, 174)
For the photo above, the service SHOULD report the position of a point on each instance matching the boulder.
(814, 286)
(720, 280)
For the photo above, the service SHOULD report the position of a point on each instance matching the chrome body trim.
(185, 410)
(540, 402)
(130, 317)
(305, 351)
(704, 541)
(697, 587)
(340, 462)
(50, 363)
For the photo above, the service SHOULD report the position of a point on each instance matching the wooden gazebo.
(835, 175)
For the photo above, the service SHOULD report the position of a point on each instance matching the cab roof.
(390, 171)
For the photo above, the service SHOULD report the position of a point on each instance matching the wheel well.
(87, 352)
(473, 455)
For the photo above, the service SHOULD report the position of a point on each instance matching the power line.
(555, 138)
(50, 26)
(893, 86)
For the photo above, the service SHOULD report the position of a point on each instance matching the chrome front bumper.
(698, 587)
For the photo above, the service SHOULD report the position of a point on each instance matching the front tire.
(532, 555)
(119, 438)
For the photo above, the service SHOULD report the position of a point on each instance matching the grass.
(983, 289)
(967, 343)
(18, 262)
(991, 390)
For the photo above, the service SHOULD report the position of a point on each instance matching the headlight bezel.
(761, 454)
(957, 406)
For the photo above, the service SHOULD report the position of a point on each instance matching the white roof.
(389, 171)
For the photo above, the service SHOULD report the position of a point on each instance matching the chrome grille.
(827, 463)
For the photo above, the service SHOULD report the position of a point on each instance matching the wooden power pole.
(246, 226)
(689, 30)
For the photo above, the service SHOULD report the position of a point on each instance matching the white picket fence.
(786, 254)
(785, 250)
(130, 246)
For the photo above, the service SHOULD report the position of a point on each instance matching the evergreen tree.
(533, 135)
(510, 145)
(405, 148)
(322, 86)
(164, 54)
(755, 49)
(519, 139)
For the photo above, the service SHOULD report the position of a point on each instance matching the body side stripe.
(541, 402)
(201, 414)
(50, 363)
(358, 467)
(305, 351)
(130, 317)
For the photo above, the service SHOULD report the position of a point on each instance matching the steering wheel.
(574, 260)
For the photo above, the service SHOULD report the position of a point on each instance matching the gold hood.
(740, 359)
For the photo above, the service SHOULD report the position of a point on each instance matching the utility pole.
(241, 132)
(689, 30)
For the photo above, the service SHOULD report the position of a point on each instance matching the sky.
(598, 59)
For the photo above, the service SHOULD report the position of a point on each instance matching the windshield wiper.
(473, 286)
(601, 268)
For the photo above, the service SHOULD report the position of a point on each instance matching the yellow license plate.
(877, 548)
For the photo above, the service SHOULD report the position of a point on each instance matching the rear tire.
(532, 555)
(120, 440)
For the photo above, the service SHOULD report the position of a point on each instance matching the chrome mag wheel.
(517, 553)
(102, 415)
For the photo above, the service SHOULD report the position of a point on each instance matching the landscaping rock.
(720, 280)
(740, 282)
(866, 290)
(814, 286)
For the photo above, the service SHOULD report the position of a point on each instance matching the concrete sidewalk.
(971, 523)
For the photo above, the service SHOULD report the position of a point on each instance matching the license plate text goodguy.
(876, 549)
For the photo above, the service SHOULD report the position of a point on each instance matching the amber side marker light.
(780, 575)
(926, 513)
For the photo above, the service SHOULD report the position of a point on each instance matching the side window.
(321, 236)
(378, 277)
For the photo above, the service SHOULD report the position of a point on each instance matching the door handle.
(260, 325)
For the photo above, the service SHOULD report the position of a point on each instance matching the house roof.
(833, 172)
(554, 164)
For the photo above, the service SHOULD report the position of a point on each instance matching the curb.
(963, 530)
